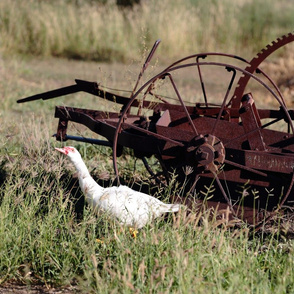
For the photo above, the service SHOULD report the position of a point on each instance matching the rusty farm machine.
(246, 150)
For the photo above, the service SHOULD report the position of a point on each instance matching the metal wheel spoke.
(183, 105)
(243, 167)
(201, 80)
(228, 200)
(153, 175)
(225, 98)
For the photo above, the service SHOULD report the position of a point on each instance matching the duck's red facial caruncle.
(66, 150)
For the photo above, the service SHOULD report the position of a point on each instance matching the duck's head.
(73, 154)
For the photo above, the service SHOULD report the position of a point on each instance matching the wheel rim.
(216, 172)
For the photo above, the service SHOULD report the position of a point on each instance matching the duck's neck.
(81, 169)
(89, 187)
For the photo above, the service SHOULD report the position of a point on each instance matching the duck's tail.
(174, 207)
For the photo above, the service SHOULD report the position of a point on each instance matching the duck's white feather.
(130, 207)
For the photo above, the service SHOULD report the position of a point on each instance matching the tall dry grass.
(90, 30)
(45, 239)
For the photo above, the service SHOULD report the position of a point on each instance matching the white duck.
(132, 208)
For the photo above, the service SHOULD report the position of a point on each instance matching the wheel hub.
(208, 152)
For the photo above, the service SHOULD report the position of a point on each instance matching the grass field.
(81, 30)
(48, 237)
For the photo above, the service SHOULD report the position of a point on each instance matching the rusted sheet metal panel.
(270, 162)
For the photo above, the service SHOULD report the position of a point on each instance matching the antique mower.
(229, 141)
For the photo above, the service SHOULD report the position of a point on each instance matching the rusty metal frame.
(210, 137)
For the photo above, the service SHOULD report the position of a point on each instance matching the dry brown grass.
(107, 33)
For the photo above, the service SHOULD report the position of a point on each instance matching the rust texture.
(232, 147)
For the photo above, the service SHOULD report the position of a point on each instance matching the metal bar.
(145, 65)
(251, 121)
(224, 193)
(51, 94)
(183, 105)
(225, 98)
(87, 140)
(201, 80)
(153, 175)
(240, 166)
(84, 86)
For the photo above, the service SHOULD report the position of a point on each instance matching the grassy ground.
(48, 237)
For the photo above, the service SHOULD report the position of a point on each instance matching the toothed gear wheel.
(254, 64)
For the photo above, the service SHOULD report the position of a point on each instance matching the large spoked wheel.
(209, 145)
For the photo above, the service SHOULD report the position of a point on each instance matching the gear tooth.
(253, 60)
(261, 52)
